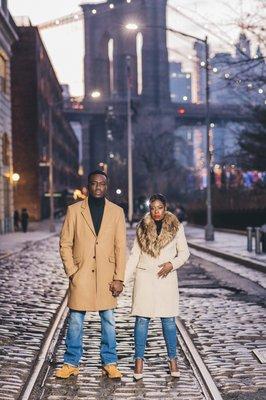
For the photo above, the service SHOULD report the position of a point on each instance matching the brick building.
(7, 37)
(37, 106)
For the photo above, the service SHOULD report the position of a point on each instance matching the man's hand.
(165, 269)
(116, 287)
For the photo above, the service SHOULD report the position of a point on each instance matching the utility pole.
(51, 172)
(129, 142)
(209, 231)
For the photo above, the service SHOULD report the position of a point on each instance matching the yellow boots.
(66, 371)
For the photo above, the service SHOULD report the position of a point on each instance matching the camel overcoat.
(153, 296)
(92, 262)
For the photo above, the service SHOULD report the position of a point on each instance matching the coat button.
(94, 256)
(92, 270)
(97, 243)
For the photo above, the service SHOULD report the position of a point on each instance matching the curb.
(257, 265)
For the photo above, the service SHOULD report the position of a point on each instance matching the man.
(93, 251)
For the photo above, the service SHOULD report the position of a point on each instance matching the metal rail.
(46, 349)
(201, 372)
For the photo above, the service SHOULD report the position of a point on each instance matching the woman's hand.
(165, 269)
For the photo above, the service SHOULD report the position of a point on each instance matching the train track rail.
(41, 368)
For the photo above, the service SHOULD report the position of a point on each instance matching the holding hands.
(116, 287)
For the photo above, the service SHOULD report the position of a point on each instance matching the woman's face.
(157, 210)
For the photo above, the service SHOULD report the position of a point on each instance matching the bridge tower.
(107, 45)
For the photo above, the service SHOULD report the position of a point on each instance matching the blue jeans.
(141, 333)
(74, 337)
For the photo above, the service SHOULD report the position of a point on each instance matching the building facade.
(180, 83)
(7, 37)
(37, 106)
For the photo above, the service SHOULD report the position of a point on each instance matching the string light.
(215, 69)
(202, 63)
(111, 5)
(260, 91)
(94, 11)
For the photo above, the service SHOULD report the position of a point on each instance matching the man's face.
(97, 186)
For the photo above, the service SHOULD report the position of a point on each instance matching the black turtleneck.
(159, 226)
(96, 206)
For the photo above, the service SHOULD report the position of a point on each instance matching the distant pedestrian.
(16, 220)
(24, 219)
(93, 251)
(160, 248)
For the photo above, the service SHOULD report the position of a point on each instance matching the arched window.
(111, 64)
(139, 45)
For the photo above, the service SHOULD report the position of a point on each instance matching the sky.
(65, 44)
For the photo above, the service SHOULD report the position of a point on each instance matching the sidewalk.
(17, 241)
(227, 245)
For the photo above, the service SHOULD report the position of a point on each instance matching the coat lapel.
(85, 211)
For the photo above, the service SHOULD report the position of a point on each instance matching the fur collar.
(147, 237)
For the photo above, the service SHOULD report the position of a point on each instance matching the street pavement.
(225, 242)
(225, 316)
(224, 312)
(17, 241)
(32, 287)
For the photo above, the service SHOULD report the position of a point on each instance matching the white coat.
(153, 296)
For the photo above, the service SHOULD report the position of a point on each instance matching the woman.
(159, 249)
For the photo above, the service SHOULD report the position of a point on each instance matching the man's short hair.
(96, 172)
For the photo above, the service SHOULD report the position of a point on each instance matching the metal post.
(209, 231)
(51, 175)
(249, 238)
(129, 142)
(257, 240)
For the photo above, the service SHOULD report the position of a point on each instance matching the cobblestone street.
(224, 313)
(32, 287)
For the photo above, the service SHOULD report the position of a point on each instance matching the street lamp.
(209, 230)
(51, 171)
(95, 94)
(129, 142)
(15, 177)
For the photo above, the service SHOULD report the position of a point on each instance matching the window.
(111, 63)
(5, 149)
(3, 74)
